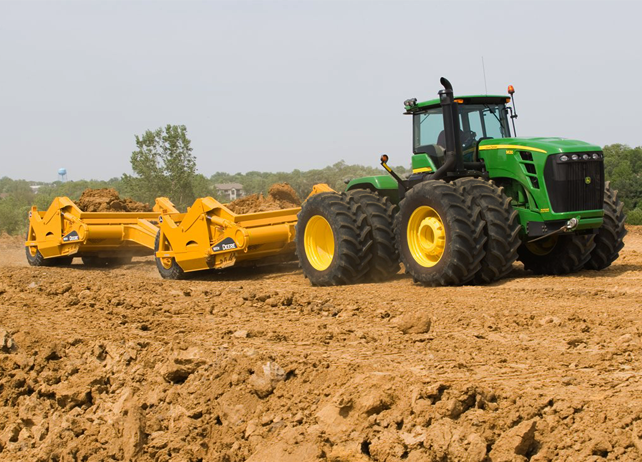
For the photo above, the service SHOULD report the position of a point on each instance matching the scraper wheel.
(167, 267)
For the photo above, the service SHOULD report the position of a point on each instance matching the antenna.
(484, 71)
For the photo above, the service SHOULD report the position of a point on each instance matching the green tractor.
(478, 199)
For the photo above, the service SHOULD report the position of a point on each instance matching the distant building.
(231, 191)
(35, 187)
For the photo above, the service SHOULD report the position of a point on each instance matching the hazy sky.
(274, 86)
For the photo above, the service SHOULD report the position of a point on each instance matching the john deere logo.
(587, 180)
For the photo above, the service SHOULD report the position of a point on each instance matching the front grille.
(574, 185)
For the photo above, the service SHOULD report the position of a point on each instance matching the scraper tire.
(166, 269)
(36, 258)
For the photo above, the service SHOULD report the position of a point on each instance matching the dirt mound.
(108, 200)
(280, 196)
(284, 195)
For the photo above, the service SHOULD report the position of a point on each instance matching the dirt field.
(257, 365)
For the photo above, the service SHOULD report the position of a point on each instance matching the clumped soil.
(280, 196)
(108, 200)
(257, 365)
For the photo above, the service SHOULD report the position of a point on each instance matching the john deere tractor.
(478, 198)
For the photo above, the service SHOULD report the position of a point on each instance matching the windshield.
(485, 120)
(476, 121)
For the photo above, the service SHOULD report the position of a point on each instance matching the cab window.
(427, 127)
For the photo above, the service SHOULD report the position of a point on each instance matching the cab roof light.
(412, 102)
(511, 90)
(460, 101)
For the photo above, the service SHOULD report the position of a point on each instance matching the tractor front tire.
(167, 267)
(333, 240)
(501, 228)
(610, 237)
(380, 214)
(439, 234)
(557, 254)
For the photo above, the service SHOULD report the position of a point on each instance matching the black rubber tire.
(380, 213)
(39, 260)
(501, 228)
(352, 239)
(35, 260)
(463, 227)
(610, 238)
(173, 272)
(567, 255)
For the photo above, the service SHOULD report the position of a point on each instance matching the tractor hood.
(539, 144)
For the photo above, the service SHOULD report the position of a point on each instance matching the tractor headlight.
(585, 157)
(575, 157)
(564, 158)
(596, 156)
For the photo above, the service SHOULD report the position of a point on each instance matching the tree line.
(164, 165)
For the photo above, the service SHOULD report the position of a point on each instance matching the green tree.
(163, 165)
(634, 217)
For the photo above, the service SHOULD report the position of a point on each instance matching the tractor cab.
(480, 117)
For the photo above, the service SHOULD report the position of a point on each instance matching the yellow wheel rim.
(319, 243)
(33, 251)
(426, 236)
(167, 262)
(543, 246)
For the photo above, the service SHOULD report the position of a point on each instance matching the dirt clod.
(7, 345)
(414, 322)
(514, 443)
(108, 200)
(280, 196)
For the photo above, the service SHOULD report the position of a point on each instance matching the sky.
(284, 85)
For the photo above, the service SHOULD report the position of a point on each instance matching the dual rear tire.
(346, 238)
